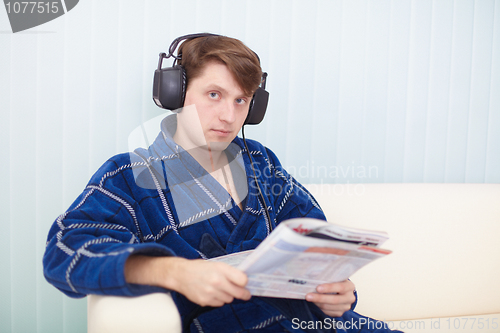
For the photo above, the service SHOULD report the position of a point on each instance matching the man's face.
(221, 108)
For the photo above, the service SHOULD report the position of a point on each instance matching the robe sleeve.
(88, 245)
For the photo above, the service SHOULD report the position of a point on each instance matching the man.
(147, 220)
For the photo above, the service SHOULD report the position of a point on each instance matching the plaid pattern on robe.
(161, 202)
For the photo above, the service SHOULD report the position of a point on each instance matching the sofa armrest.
(152, 313)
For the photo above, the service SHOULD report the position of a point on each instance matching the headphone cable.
(266, 210)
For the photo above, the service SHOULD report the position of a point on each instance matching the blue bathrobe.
(160, 202)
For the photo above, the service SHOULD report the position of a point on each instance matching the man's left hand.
(333, 298)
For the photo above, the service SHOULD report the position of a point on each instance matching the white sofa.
(443, 274)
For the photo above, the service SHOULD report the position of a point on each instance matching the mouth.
(221, 132)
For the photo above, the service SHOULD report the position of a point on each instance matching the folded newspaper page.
(302, 253)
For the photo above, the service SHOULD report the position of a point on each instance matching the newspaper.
(302, 253)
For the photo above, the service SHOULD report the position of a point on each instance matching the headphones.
(169, 85)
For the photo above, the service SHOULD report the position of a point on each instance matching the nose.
(227, 112)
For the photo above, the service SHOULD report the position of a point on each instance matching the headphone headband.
(176, 42)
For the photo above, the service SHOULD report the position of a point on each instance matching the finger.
(231, 281)
(236, 291)
(333, 307)
(224, 297)
(334, 310)
(347, 298)
(236, 276)
(214, 300)
(228, 293)
(336, 287)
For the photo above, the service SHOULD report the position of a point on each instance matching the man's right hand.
(203, 282)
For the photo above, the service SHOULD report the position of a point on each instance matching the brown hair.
(241, 61)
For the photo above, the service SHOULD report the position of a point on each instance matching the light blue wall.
(361, 91)
(407, 89)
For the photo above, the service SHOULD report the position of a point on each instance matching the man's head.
(241, 61)
(222, 76)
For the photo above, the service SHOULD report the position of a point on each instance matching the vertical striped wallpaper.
(360, 91)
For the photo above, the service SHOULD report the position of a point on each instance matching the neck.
(210, 159)
(208, 154)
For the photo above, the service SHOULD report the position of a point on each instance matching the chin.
(219, 145)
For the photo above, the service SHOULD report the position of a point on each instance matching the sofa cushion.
(445, 242)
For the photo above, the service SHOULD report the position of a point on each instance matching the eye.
(241, 101)
(213, 95)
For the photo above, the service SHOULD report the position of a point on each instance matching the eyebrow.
(214, 86)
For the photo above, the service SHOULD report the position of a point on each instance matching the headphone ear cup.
(258, 107)
(169, 87)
